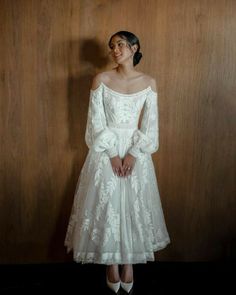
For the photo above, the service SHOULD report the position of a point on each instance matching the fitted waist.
(123, 125)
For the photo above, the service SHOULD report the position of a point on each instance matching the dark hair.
(131, 39)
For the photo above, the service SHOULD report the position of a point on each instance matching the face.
(120, 51)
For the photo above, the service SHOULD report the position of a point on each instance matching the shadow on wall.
(85, 59)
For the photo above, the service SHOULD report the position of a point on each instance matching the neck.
(125, 70)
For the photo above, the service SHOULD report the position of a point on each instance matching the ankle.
(127, 273)
(113, 273)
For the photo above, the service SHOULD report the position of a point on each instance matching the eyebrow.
(117, 41)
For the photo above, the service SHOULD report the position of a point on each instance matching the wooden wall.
(49, 52)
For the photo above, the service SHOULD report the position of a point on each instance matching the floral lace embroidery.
(102, 224)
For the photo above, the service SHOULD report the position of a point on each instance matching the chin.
(119, 62)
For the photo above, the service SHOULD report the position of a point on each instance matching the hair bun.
(137, 56)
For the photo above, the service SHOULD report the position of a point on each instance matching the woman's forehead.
(116, 39)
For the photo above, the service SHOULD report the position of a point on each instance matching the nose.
(116, 52)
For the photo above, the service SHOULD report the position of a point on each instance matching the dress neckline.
(120, 93)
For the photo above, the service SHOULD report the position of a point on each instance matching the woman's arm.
(146, 139)
(98, 136)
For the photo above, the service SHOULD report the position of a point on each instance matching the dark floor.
(150, 278)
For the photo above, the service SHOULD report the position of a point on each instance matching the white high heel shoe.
(113, 286)
(126, 286)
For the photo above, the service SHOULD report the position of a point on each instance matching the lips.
(116, 56)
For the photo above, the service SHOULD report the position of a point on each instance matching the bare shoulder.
(150, 81)
(99, 78)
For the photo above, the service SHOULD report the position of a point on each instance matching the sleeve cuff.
(112, 152)
(134, 152)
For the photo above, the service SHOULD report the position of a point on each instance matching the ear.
(134, 48)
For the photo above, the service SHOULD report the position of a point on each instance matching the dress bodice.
(111, 109)
(123, 110)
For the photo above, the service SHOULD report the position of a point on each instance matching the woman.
(117, 216)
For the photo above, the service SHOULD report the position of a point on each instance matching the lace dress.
(118, 220)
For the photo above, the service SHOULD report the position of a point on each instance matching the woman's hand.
(116, 164)
(128, 164)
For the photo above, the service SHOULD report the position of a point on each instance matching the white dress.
(118, 220)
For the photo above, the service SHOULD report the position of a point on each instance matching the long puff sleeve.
(146, 139)
(97, 135)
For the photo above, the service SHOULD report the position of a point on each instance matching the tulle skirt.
(116, 220)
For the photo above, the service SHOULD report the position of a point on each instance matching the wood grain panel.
(49, 52)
